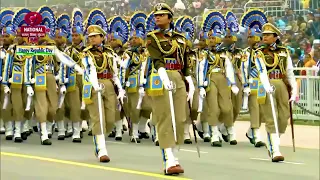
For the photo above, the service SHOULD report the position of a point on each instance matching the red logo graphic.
(33, 18)
(34, 30)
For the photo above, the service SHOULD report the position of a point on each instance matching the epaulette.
(179, 34)
(153, 32)
(87, 48)
(282, 47)
(108, 48)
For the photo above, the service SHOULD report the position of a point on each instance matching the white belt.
(216, 70)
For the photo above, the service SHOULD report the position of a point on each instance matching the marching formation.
(147, 71)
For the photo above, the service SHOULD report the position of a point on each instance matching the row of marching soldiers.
(160, 77)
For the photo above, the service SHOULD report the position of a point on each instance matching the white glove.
(234, 89)
(247, 91)
(141, 91)
(6, 90)
(202, 92)
(268, 88)
(165, 79)
(122, 95)
(2, 54)
(30, 91)
(79, 69)
(0, 78)
(57, 77)
(63, 89)
(294, 98)
(191, 88)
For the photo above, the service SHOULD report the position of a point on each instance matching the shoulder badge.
(181, 40)
(87, 48)
(153, 32)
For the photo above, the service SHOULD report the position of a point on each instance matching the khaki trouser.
(253, 106)
(281, 103)
(27, 114)
(17, 104)
(109, 100)
(205, 111)
(135, 113)
(6, 114)
(161, 114)
(71, 106)
(219, 101)
(237, 99)
(46, 101)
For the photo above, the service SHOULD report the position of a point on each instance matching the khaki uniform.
(276, 64)
(237, 99)
(219, 94)
(132, 76)
(46, 97)
(251, 77)
(74, 88)
(5, 114)
(163, 50)
(103, 61)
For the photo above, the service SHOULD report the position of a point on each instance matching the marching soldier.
(167, 88)
(151, 26)
(18, 21)
(185, 26)
(215, 70)
(43, 75)
(253, 20)
(236, 54)
(134, 67)
(14, 75)
(74, 85)
(117, 40)
(62, 32)
(101, 74)
(8, 35)
(42, 72)
(202, 126)
(282, 85)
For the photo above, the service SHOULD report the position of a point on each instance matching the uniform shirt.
(160, 46)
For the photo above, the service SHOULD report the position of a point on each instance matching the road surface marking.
(187, 150)
(154, 175)
(115, 142)
(287, 162)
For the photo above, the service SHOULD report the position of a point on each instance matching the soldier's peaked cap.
(162, 8)
(269, 28)
(95, 29)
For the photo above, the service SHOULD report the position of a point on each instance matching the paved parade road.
(66, 160)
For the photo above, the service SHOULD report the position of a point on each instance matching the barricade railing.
(308, 106)
(272, 6)
(282, 12)
(303, 5)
